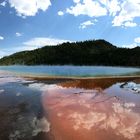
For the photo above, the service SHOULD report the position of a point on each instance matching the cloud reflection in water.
(91, 113)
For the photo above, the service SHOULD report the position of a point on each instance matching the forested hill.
(93, 52)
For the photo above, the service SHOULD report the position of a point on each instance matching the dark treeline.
(93, 52)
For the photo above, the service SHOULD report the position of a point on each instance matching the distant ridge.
(91, 52)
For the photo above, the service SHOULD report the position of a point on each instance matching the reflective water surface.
(87, 109)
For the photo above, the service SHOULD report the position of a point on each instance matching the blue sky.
(29, 24)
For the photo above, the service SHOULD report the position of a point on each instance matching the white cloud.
(130, 9)
(87, 7)
(87, 23)
(122, 12)
(113, 6)
(76, 1)
(130, 24)
(40, 42)
(3, 3)
(133, 45)
(60, 13)
(1, 38)
(18, 34)
(137, 40)
(29, 7)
